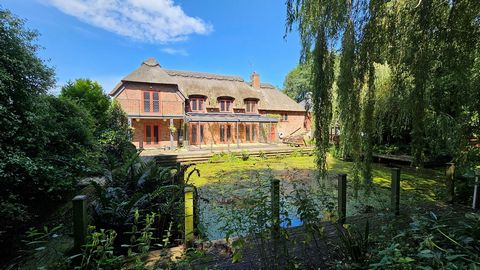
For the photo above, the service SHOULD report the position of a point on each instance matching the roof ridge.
(203, 75)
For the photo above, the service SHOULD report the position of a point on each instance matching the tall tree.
(318, 23)
(297, 84)
(90, 95)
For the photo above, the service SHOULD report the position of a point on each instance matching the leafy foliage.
(47, 143)
(114, 140)
(412, 63)
(297, 84)
(89, 94)
(135, 190)
(432, 242)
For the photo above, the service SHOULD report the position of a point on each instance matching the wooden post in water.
(476, 191)
(189, 215)
(395, 185)
(342, 198)
(79, 222)
(275, 198)
(450, 174)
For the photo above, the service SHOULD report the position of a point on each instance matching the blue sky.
(106, 39)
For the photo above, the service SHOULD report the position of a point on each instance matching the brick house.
(167, 108)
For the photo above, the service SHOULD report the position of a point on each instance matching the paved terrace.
(205, 152)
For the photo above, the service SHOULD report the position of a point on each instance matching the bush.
(223, 157)
(139, 188)
(115, 141)
(245, 155)
(432, 242)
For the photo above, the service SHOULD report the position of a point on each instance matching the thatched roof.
(276, 100)
(229, 117)
(149, 71)
(212, 86)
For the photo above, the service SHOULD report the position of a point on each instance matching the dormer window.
(225, 104)
(197, 104)
(250, 106)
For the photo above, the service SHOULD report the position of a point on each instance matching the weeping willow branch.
(322, 79)
(349, 105)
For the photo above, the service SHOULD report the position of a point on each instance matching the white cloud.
(157, 21)
(173, 51)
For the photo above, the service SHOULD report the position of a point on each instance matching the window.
(251, 106)
(196, 104)
(155, 101)
(194, 134)
(197, 134)
(146, 101)
(152, 132)
(225, 133)
(151, 101)
(284, 117)
(250, 132)
(222, 133)
(225, 105)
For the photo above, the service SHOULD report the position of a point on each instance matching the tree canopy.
(297, 84)
(411, 67)
(47, 143)
(90, 95)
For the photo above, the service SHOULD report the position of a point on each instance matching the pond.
(235, 194)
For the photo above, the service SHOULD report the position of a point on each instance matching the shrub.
(115, 138)
(139, 188)
(245, 155)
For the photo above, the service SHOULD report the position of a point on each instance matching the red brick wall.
(295, 120)
(164, 132)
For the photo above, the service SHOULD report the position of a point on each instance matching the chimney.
(255, 78)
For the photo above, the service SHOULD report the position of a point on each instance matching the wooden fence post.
(275, 197)
(476, 191)
(180, 174)
(450, 174)
(79, 222)
(395, 185)
(342, 198)
(189, 215)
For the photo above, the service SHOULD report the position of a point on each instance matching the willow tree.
(348, 102)
(429, 46)
(318, 23)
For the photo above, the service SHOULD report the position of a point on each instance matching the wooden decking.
(268, 254)
(398, 158)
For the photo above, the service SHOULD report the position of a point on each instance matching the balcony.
(134, 107)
